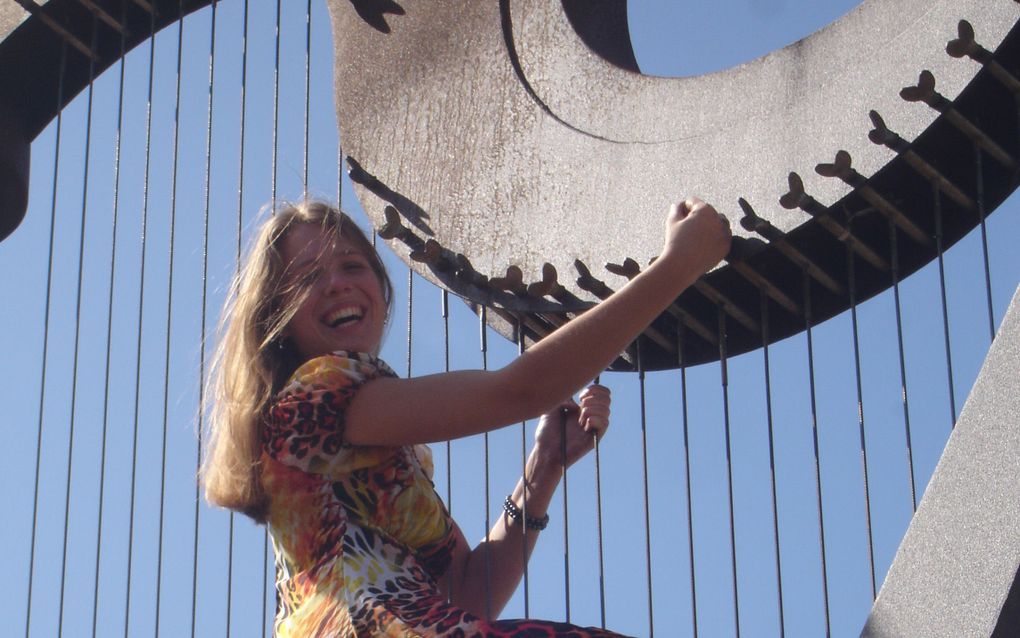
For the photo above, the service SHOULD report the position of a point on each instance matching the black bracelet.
(530, 522)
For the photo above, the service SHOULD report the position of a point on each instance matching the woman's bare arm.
(450, 405)
(482, 580)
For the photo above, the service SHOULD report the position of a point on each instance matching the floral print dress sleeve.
(360, 535)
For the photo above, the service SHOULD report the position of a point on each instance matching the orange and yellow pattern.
(360, 535)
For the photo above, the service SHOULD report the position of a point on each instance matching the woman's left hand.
(568, 433)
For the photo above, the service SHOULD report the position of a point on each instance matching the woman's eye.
(354, 267)
(311, 276)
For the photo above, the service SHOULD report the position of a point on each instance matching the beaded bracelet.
(530, 522)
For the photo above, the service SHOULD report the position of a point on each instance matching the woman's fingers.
(684, 207)
(697, 234)
(594, 402)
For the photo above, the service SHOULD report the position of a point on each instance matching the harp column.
(955, 573)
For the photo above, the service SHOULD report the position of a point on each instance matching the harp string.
(109, 323)
(937, 197)
(725, 387)
(767, 378)
(685, 422)
(77, 327)
(646, 503)
(852, 287)
(483, 343)
(46, 340)
(524, 503)
(207, 188)
(171, 236)
(979, 171)
(139, 334)
(813, 396)
(894, 262)
(242, 116)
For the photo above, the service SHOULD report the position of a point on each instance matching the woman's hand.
(567, 433)
(697, 234)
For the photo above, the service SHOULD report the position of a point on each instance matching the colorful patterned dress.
(360, 535)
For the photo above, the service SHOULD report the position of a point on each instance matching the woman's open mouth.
(343, 316)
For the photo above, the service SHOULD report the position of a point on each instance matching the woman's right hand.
(696, 234)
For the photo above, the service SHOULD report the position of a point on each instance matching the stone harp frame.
(840, 205)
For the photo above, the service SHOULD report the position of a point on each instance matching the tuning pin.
(629, 268)
(589, 283)
(432, 254)
(467, 273)
(796, 197)
(512, 281)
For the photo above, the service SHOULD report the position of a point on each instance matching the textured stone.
(959, 559)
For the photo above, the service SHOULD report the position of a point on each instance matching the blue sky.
(151, 325)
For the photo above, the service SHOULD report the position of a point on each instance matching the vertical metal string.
(808, 321)
(852, 287)
(894, 260)
(725, 382)
(276, 153)
(202, 312)
(169, 310)
(687, 472)
(982, 213)
(308, 93)
(141, 305)
(484, 344)
(410, 315)
(276, 106)
(444, 305)
(237, 272)
(599, 532)
(46, 337)
(566, 514)
(524, 466)
(644, 472)
(765, 339)
(937, 194)
(109, 320)
(340, 157)
(444, 297)
(77, 328)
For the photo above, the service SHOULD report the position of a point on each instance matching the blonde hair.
(254, 358)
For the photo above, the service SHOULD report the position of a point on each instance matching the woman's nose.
(336, 282)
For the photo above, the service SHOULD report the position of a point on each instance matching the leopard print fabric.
(360, 535)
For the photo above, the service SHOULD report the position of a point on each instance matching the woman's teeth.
(344, 315)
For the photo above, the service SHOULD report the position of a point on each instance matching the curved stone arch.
(497, 133)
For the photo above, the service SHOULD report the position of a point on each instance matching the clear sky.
(138, 358)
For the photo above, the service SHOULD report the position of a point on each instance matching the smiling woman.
(270, 324)
(315, 436)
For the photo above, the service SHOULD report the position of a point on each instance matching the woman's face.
(345, 308)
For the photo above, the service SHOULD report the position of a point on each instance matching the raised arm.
(450, 405)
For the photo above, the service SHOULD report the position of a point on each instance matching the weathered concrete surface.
(959, 558)
(499, 132)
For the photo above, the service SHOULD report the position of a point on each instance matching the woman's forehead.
(309, 242)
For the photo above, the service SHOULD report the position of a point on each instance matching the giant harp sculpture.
(485, 138)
